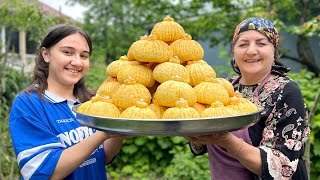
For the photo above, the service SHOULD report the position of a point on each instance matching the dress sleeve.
(197, 150)
(284, 136)
(36, 148)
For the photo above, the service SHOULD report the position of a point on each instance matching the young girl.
(48, 140)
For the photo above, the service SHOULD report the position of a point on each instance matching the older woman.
(272, 148)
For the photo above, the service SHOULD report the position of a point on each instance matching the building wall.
(21, 48)
(17, 56)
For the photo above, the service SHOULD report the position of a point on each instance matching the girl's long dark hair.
(41, 69)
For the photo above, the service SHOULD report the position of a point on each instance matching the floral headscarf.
(267, 28)
(262, 25)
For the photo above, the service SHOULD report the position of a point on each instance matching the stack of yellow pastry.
(163, 75)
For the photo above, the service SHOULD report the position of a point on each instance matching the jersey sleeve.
(285, 133)
(36, 147)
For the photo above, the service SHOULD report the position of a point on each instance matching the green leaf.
(130, 149)
(140, 141)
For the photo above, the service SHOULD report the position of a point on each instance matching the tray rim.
(168, 120)
(256, 114)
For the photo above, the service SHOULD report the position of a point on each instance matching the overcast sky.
(76, 11)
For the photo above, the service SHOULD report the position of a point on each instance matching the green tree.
(115, 25)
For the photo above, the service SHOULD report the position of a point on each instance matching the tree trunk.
(306, 55)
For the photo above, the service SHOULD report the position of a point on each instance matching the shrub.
(12, 82)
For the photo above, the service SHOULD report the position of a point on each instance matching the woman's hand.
(247, 154)
(215, 138)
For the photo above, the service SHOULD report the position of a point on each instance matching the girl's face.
(254, 54)
(68, 61)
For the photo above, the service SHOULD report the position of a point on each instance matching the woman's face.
(253, 53)
(68, 60)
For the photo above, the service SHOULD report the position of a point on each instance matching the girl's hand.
(108, 135)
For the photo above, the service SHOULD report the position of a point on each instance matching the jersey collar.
(57, 99)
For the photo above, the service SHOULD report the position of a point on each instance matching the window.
(31, 44)
(14, 40)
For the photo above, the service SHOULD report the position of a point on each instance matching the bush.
(144, 157)
(96, 73)
(12, 82)
(154, 157)
(185, 166)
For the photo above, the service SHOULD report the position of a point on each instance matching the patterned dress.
(280, 134)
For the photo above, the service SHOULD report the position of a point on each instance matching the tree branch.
(296, 59)
(312, 113)
(310, 66)
(292, 58)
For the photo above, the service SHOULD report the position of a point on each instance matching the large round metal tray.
(168, 127)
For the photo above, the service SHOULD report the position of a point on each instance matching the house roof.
(47, 8)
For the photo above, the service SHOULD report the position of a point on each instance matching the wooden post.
(22, 47)
(3, 40)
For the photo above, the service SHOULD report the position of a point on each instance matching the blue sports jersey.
(41, 129)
